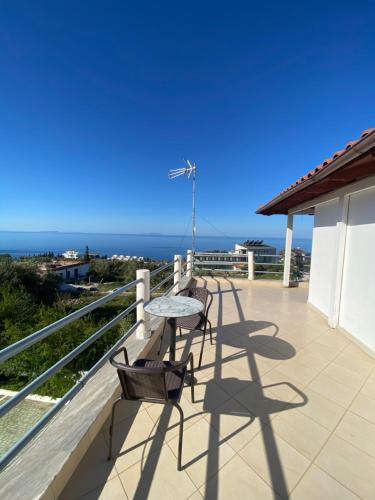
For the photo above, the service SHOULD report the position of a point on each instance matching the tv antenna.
(190, 171)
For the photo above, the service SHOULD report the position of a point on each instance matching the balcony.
(285, 409)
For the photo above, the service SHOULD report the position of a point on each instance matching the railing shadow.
(248, 338)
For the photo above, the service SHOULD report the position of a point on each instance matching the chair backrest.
(199, 293)
(145, 382)
(142, 383)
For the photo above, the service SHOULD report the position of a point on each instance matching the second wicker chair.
(198, 321)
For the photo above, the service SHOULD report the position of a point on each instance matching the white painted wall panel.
(324, 255)
(357, 308)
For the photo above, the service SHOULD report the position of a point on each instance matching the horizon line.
(143, 234)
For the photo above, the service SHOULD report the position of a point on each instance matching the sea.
(153, 246)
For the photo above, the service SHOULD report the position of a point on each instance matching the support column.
(177, 273)
(336, 287)
(143, 293)
(250, 265)
(288, 250)
(189, 264)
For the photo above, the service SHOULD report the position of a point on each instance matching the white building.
(70, 254)
(126, 258)
(260, 249)
(340, 194)
(71, 272)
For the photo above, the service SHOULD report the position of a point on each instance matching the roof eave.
(360, 149)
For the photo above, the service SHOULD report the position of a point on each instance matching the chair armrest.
(119, 351)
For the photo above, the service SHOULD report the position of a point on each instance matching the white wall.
(324, 255)
(357, 308)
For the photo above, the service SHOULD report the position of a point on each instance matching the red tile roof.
(310, 175)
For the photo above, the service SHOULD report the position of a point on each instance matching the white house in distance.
(70, 254)
(258, 247)
(71, 272)
(340, 193)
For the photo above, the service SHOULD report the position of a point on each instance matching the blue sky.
(101, 99)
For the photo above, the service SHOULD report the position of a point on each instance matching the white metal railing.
(141, 327)
(250, 264)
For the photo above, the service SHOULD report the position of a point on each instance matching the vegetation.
(30, 300)
(119, 272)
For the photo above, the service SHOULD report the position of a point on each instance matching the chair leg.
(111, 428)
(209, 324)
(162, 337)
(192, 380)
(180, 332)
(202, 347)
(181, 432)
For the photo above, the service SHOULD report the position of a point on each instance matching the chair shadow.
(251, 340)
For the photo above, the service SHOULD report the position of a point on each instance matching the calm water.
(152, 246)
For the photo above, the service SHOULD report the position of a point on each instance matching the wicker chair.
(196, 321)
(152, 381)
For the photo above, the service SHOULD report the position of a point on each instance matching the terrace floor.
(286, 409)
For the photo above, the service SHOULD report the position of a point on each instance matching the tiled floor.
(285, 409)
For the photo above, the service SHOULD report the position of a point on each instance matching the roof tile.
(325, 163)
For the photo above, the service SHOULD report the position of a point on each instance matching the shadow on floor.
(248, 338)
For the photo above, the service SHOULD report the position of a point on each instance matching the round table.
(172, 308)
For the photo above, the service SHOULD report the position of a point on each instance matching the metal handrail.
(268, 272)
(17, 398)
(48, 330)
(169, 277)
(224, 270)
(21, 443)
(160, 269)
(28, 341)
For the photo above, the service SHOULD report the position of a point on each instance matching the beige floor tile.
(300, 431)
(234, 423)
(276, 384)
(296, 340)
(345, 376)
(299, 371)
(157, 477)
(236, 480)
(204, 451)
(358, 432)
(134, 439)
(334, 339)
(93, 471)
(369, 387)
(320, 409)
(335, 391)
(250, 367)
(168, 418)
(262, 405)
(364, 407)
(317, 485)
(111, 490)
(359, 354)
(312, 360)
(324, 352)
(353, 360)
(278, 463)
(229, 379)
(350, 466)
(196, 496)
(208, 395)
(204, 372)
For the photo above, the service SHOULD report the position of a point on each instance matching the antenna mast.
(189, 170)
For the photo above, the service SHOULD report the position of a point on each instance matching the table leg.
(172, 347)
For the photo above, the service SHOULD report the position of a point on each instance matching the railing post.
(189, 264)
(288, 250)
(177, 270)
(143, 293)
(250, 265)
